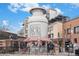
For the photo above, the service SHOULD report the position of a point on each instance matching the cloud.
(16, 28)
(5, 23)
(20, 24)
(13, 29)
(28, 6)
(46, 6)
(75, 5)
(25, 7)
(59, 11)
(14, 7)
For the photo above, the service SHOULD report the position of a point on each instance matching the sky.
(12, 15)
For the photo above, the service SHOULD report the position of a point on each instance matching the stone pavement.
(39, 52)
(66, 54)
(42, 54)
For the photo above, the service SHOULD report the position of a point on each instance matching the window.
(50, 29)
(76, 29)
(35, 30)
(68, 30)
(75, 40)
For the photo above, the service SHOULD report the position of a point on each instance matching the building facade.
(60, 28)
(55, 30)
(37, 23)
(71, 30)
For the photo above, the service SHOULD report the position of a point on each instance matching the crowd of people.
(51, 48)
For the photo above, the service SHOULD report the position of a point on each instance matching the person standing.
(51, 48)
(56, 48)
(76, 49)
(48, 48)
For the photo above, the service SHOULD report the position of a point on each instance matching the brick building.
(71, 30)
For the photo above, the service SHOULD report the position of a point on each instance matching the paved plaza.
(38, 52)
(43, 54)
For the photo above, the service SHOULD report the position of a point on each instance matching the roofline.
(12, 33)
(73, 19)
(7, 32)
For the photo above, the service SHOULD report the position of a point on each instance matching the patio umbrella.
(45, 39)
(35, 38)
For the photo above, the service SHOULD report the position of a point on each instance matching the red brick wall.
(72, 24)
